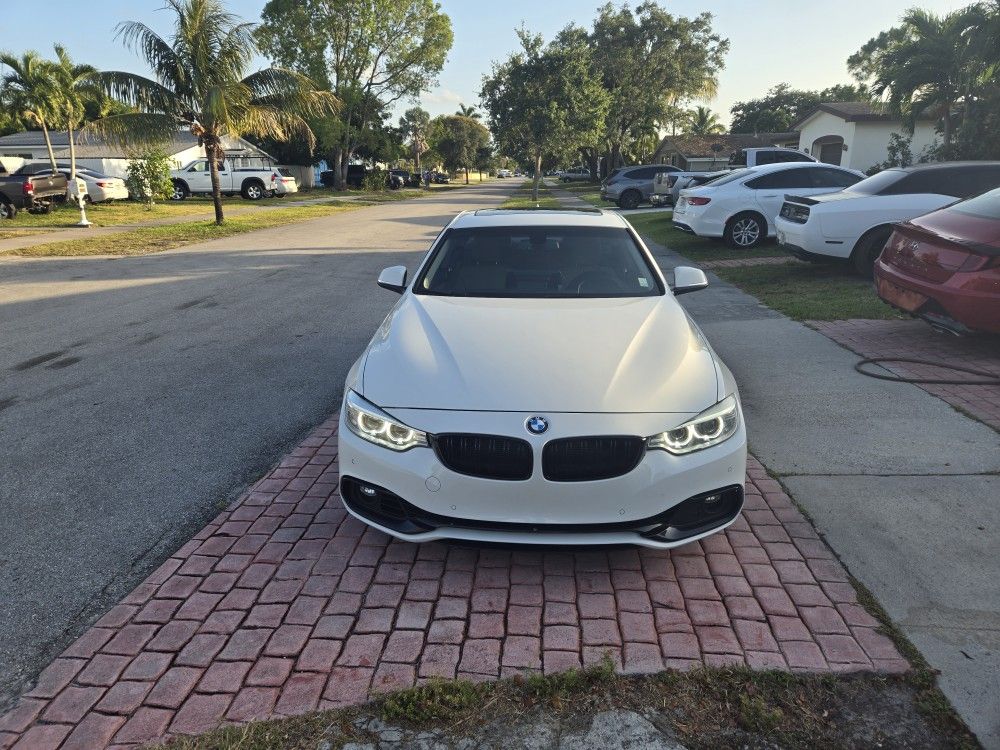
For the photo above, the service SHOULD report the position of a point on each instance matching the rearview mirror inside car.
(393, 279)
(688, 279)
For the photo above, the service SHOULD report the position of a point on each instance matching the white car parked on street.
(252, 182)
(855, 224)
(537, 382)
(100, 187)
(741, 207)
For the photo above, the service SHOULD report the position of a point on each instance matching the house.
(110, 158)
(704, 153)
(855, 135)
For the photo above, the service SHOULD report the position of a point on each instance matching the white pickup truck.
(252, 182)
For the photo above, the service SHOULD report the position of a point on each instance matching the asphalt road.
(138, 396)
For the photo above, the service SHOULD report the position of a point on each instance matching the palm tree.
(703, 121)
(76, 86)
(469, 111)
(200, 84)
(925, 66)
(32, 91)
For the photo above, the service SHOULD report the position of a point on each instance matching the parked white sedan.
(537, 382)
(741, 207)
(100, 187)
(856, 223)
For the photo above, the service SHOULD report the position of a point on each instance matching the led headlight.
(370, 423)
(709, 428)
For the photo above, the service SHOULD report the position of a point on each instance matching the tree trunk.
(72, 151)
(538, 176)
(212, 152)
(48, 144)
(466, 175)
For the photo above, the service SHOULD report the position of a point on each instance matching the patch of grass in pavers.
(810, 291)
(727, 707)
(146, 240)
(523, 198)
(657, 227)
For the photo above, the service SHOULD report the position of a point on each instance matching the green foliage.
(703, 121)
(147, 176)
(935, 66)
(374, 180)
(414, 128)
(648, 60)
(779, 109)
(458, 140)
(370, 53)
(544, 101)
(199, 79)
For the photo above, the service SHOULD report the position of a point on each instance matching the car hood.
(554, 355)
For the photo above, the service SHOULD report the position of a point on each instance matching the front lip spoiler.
(392, 512)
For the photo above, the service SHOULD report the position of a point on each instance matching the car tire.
(745, 231)
(253, 190)
(7, 210)
(629, 200)
(868, 249)
(180, 192)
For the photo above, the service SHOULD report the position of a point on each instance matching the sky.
(805, 44)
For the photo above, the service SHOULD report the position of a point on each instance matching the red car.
(944, 266)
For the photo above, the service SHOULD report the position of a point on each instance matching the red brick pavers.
(917, 340)
(284, 604)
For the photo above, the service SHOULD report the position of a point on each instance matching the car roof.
(945, 165)
(504, 217)
(777, 167)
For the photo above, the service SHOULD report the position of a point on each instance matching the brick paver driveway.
(284, 604)
(914, 339)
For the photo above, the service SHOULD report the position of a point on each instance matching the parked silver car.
(630, 186)
(576, 174)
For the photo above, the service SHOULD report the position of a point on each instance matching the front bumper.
(443, 504)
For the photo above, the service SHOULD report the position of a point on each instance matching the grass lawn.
(7, 234)
(145, 240)
(704, 708)
(522, 198)
(657, 227)
(811, 291)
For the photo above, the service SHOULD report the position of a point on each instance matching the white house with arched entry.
(854, 135)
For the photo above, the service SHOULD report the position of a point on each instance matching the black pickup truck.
(36, 193)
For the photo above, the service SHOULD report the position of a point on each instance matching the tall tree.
(929, 65)
(76, 86)
(367, 52)
(30, 90)
(777, 111)
(201, 84)
(649, 61)
(468, 111)
(542, 103)
(414, 126)
(458, 140)
(703, 121)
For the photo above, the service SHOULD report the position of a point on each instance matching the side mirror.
(394, 279)
(688, 279)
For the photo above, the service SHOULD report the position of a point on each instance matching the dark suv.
(630, 186)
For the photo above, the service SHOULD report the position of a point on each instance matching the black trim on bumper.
(682, 227)
(692, 517)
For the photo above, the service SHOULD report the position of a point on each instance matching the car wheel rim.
(746, 232)
(178, 194)
(254, 193)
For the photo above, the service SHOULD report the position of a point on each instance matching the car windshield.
(877, 183)
(985, 206)
(539, 262)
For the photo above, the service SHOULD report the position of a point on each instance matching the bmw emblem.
(537, 425)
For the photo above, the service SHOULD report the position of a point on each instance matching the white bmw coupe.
(538, 382)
